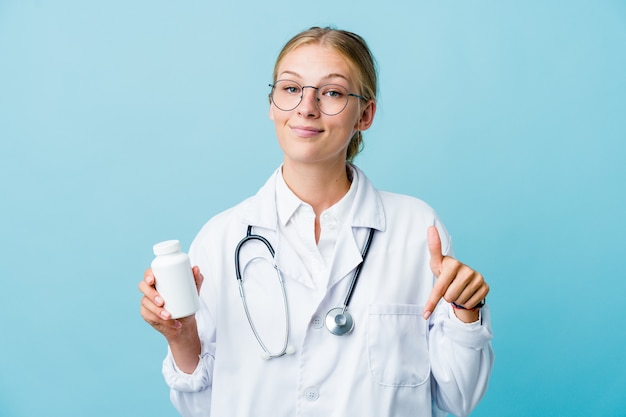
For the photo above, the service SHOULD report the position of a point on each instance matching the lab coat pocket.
(397, 345)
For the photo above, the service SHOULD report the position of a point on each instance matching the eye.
(288, 87)
(333, 91)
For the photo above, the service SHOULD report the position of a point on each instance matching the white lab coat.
(394, 363)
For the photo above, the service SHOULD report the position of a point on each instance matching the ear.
(271, 112)
(367, 116)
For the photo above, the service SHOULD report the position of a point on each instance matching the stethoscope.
(339, 321)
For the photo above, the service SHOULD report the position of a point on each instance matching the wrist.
(186, 348)
(476, 307)
(466, 316)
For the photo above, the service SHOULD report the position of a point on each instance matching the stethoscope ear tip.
(290, 350)
(265, 356)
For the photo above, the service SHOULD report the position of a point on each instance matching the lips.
(305, 131)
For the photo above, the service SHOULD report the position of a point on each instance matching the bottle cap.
(166, 247)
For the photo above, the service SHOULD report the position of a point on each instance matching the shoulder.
(392, 202)
(406, 217)
(390, 207)
(405, 211)
(219, 235)
(257, 210)
(395, 201)
(219, 224)
(411, 216)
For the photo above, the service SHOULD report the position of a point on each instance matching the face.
(305, 134)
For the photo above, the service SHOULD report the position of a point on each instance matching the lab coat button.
(311, 394)
(317, 322)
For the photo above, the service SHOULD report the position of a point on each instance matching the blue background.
(123, 123)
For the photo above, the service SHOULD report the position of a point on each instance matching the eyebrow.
(329, 76)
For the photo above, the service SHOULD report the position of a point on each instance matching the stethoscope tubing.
(338, 320)
(357, 272)
(249, 236)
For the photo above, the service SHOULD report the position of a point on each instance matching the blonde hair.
(355, 49)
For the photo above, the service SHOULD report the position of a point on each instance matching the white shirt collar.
(287, 203)
(367, 208)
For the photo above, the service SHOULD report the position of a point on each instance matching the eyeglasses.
(331, 99)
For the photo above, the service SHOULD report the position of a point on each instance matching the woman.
(414, 338)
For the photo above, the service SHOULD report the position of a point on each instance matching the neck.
(319, 186)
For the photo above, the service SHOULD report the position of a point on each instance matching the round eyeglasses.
(331, 99)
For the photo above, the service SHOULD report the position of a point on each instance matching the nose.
(308, 104)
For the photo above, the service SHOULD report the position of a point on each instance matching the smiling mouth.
(305, 132)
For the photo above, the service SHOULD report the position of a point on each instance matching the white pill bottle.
(174, 279)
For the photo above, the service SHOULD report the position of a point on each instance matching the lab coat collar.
(366, 212)
(367, 208)
(260, 210)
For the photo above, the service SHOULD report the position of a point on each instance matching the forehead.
(316, 62)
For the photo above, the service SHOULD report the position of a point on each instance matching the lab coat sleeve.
(191, 393)
(461, 360)
(461, 353)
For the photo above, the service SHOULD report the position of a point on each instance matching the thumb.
(434, 247)
(198, 277)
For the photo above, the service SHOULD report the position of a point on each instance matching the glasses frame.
(317, 99)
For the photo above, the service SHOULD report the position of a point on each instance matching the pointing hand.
(456, 282)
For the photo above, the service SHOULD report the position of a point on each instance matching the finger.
(148, 276)
(149, 315)
(467, 283)
(434, 248)
(150, 292)
(442, 284)
(198, 277)
(464, 284)
(163, 326)
(155, 308)
(476, 297)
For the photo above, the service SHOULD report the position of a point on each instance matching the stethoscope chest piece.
(339, 321)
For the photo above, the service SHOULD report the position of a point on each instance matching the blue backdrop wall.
(507, 117)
